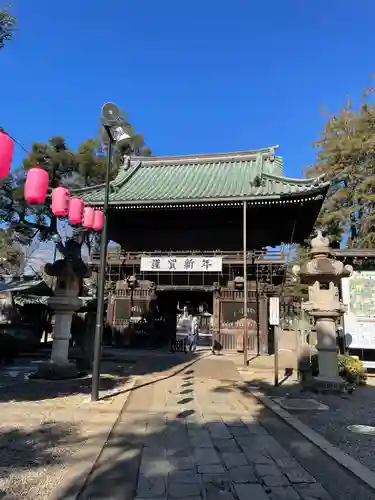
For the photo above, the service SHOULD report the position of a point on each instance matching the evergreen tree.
(7, 25)
(11, 254)
(346, 155)
(293, 288)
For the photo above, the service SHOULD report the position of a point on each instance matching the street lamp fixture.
(117, 134)
(121, 137)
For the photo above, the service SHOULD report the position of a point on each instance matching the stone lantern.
(69, 273)
(323, 274)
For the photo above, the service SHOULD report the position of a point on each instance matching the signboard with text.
(274, 311)
(182, 264)
(358, 294)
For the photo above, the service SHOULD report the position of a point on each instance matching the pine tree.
(346, 155)
(11, 254)
(7, 26)
(293, 289)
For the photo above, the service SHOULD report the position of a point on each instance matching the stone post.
(322, 274)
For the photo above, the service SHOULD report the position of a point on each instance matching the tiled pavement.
(198, 441)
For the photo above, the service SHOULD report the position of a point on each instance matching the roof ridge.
(198, 160)
(320, 179)
(203, 156)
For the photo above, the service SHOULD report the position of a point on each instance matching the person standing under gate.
(193, 336)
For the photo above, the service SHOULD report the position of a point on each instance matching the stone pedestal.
(59, 366)
(64, 309)
(328, 379)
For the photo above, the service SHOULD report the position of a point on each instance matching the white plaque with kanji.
(182, 264)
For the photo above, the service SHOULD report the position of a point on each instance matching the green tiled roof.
(203, 178)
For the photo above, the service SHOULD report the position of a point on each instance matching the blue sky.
(194, 76)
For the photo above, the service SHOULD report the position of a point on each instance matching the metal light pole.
(101, 277)
(245, 332)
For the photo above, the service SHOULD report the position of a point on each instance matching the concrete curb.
(356, 468)
(77, 474)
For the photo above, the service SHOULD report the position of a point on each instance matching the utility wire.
(15, 141)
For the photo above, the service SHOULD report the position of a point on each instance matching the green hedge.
(351, 369)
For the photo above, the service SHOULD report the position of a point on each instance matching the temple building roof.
(17, 284)
(220, 177)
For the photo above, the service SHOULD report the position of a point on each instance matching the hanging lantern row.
(36, 188)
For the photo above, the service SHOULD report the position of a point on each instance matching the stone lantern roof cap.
(320, 245)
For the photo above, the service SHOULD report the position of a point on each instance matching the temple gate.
(198, 230)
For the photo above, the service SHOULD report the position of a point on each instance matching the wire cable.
(19, 144)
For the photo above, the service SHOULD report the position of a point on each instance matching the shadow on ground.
(25, 455)
(233, 448)
(15, 384)
(233, 454)
(335, 423)
(176, 456)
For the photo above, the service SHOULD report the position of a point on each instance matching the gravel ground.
(358, 408)
(33, 458)
(43, 425)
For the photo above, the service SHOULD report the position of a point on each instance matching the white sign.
(182, 264)
(358, 294)
(274, 311)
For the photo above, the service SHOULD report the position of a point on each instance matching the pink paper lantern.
(98, 220)
(60, 201)
(88, 217)
(6, 154)
(76, 206)
(36, 185)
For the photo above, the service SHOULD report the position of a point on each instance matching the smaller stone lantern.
(323, 274)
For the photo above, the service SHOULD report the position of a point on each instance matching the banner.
(182, 264)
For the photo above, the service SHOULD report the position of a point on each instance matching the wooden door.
(229, 320)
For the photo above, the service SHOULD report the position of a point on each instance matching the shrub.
(351, 369)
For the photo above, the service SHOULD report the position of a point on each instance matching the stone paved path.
(201, 442)
(190, 437)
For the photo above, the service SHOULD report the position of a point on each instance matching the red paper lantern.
(36, 185)
(6, 154)
(76, 206)
(88, 217)
(60, 201)
(98, 220)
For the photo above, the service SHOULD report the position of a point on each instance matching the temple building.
(181, 222)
